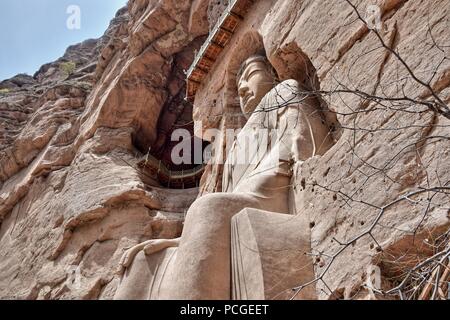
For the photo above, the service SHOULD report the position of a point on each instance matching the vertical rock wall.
(71, 197)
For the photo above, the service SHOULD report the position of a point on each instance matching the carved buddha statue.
(242, 243)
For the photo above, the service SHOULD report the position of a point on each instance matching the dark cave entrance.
(175, 131)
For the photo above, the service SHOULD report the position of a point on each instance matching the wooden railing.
(174, 179)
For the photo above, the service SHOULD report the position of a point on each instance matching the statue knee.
(226, 204)
(206, 204)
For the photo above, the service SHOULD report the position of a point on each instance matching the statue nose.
(243, 90)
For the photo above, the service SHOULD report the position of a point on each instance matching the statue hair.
(260, 57)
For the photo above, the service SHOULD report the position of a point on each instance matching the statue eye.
(251, 74)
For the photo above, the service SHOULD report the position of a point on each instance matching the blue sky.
(34, 32)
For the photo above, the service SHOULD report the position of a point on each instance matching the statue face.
(256, 81)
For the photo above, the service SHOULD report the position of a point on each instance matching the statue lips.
(246, 101)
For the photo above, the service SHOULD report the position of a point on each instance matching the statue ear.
(296, 147)
(273, 72)
(302, 148)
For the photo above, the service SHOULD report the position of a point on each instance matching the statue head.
(255, 79)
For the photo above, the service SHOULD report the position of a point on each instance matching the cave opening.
(176, 160)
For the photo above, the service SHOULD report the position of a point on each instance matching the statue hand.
(129, 255)
(149, 247)
(160, 244)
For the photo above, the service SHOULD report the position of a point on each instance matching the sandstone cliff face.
(394, 152)
(71, 196)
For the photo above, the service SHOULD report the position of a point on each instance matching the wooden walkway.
(214, 44)
(184, 179)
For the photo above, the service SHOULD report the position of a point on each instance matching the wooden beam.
(210, 50)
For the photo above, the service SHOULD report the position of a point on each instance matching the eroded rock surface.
(72, 198)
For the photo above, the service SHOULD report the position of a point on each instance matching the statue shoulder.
(287, 87)
(289, 83)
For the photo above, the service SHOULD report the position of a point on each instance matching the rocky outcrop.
(72, 197)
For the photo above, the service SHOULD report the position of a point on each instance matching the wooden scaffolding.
(214, 44)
